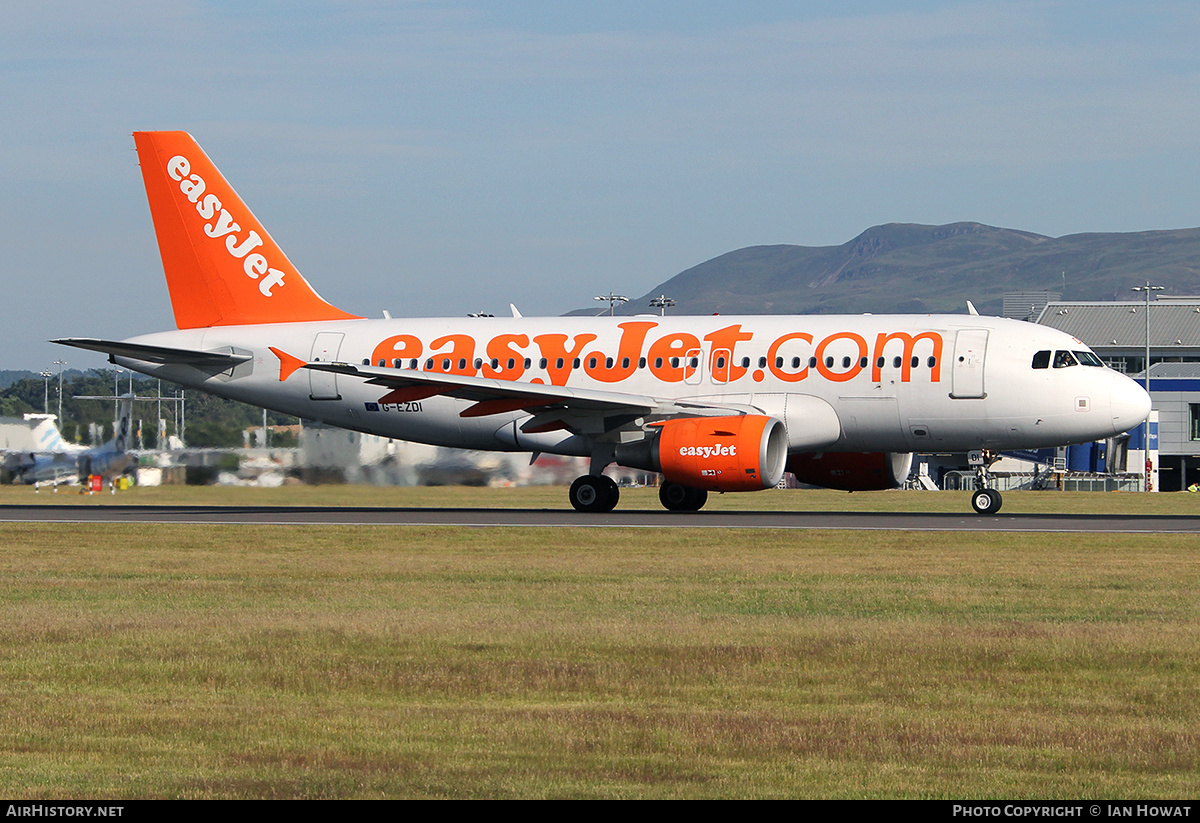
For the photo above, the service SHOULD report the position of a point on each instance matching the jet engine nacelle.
(738, 453)
(851, 471)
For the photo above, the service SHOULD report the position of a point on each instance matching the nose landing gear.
(983, 499)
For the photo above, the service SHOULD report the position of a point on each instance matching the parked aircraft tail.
(222, 267)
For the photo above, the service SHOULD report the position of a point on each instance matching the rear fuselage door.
(323, 384)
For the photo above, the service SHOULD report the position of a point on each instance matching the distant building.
(1175, 393)
(1027, 305)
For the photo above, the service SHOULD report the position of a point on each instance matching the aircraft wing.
(493, 396)
(204, 359)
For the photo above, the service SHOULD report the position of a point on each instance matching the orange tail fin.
(222, 267)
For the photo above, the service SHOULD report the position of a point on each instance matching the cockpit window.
(1088, 358)
(1041, 360)
(1063, 359)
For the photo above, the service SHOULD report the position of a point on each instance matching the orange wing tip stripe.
(287, 363)
(485, 407)
(409, 394)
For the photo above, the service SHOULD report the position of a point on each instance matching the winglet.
(287, 363)
(222, 267)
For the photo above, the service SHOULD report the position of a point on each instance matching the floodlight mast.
(612, 300)
(662, 303)
(1147, 289)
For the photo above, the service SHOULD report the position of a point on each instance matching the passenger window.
(779, 362)
(845, 362)
(896, 362)
(932, 362)
(1041, 360)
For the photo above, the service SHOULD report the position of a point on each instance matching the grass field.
(213, 661)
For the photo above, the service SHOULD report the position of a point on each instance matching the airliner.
(712, 403)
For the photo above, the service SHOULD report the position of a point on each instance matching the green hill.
(904, 267)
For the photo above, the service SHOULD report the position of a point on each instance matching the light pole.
(612, 300)
(662, 303)
(1147, 289)
(46, 375)
(60, 364)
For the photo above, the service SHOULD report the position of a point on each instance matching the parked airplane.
(57, 461)
(713, 403)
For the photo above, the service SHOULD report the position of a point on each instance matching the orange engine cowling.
(851, 471)
(727, 454)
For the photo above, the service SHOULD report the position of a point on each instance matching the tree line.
(206, 420)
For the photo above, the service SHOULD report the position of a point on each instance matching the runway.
(636, 519)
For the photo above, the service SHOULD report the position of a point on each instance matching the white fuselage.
(896, 383)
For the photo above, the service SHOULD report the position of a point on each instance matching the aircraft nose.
(1130, 404)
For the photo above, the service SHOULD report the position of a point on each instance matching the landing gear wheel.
(594, 493)
(986, 501)
(679, 498)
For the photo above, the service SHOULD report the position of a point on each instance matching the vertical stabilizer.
(222, 267)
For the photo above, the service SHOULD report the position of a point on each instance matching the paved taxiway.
(646, 518)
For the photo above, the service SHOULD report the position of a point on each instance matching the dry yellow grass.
(150, 661)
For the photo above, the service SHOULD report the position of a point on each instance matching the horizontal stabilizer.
(158, 354)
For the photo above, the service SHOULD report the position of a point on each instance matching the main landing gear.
(678, 498)
(597, 493)
(983, 499)
(594, 493)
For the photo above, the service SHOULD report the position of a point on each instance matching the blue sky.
(438, 158)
